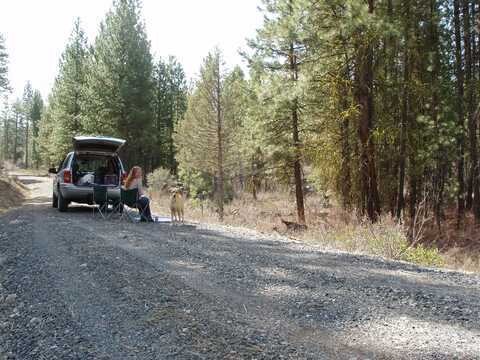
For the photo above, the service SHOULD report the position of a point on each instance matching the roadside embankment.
(12, 193)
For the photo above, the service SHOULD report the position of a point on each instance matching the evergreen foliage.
(376, 101)
(65, 116)
(169, 106)
(280, 52)
(119, 85)
(4, 83)
(206, 136)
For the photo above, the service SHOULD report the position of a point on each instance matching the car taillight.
(67, 177)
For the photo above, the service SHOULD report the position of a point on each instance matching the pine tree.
(65, 106)
(120, 86)
(17, 116)
(279, 49)
(6, 129)
(205, 136)
(4, 87)
(169, 106)
(35, 116)
(460, 115)
(27, 100)
(4, 83)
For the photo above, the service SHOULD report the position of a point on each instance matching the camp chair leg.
(115, 209)
(125, 213)
(102, 209)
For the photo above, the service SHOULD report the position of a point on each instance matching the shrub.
(200, 185)
(423, 256)
(160, 180)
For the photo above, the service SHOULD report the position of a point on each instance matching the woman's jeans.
(143, 204)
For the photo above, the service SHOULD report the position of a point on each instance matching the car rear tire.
(62, 203)
(54, 201)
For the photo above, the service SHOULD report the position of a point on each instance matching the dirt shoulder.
(12, 193)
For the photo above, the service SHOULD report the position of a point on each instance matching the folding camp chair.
(100, 200)
(128, 201)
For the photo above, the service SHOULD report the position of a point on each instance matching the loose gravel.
(78, 287)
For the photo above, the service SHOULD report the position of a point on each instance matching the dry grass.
(460, 247)
(328, 227)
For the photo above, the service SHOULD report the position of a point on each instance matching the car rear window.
(98, 169)
(93, 163)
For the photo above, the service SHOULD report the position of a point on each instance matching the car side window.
(60, 166)
(63, 164)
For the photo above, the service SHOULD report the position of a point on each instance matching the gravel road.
(78, 287)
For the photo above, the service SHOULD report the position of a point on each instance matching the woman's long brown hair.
(133, 174)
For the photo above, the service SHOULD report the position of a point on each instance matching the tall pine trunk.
(472, 125)
(404, 116)
(297, 166)
(26, 142)
(15, 140)
(5, 136)
(220, 170)
(439, 175)
(364, 97)
(345, 176)
(460, 114)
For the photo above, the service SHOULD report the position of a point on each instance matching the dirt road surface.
(78, 287)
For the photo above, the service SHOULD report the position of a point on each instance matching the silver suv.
(93, 161)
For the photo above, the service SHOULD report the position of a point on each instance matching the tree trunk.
(171, 150)
(364, 94)
(5, 136)
(404, 118)
(297, 166)
(460, 115)
(413, 187)
(472, 126)
(15, 140)
(220, 189)
(345, 176)
(26, 142)
(438, 179)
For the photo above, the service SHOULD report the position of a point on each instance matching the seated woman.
(134, 181)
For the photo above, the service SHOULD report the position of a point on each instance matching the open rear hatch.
(97, 145)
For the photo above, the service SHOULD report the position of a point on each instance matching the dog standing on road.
(177, 202)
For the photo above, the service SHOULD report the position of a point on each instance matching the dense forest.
(373, 101)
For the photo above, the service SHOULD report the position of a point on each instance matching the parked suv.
(93, 161)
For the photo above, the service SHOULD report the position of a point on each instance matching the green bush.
(423, 256)
(199, 185)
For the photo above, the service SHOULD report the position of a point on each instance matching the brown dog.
(177, 202)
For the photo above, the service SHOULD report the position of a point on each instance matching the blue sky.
(36, 32)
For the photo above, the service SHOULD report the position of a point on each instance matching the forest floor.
(460, 248)
(78, 287)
